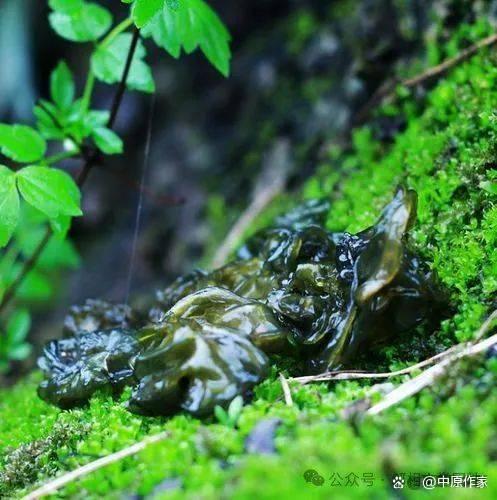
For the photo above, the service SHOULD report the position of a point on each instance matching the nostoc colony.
(295, 289)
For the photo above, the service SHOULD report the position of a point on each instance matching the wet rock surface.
(294, 289)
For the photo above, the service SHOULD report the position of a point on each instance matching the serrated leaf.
(108, 64)
(62, 88)
(49, 190)
(21, 143)
(191, 24)
(144, 10)
(9, 205)
(164, 31)
(107, 141)
(79, 21)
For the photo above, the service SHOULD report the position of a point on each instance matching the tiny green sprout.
(230, 417)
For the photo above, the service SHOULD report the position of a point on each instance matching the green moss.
(447, 151)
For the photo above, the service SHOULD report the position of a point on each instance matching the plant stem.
(83, 176)
(118, 97)
(88, 91)
(123, 26)
(90, 82)
(51, 160)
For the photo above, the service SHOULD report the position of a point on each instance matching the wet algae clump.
(294, 289)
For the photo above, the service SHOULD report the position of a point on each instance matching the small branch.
(356, 374)
(65, 155)
(448, 64)
(388, 87)
(89, 163)
(28, 266)
(431, 375)
(118, 97)
(60, 482)
(443, 360)
(286, 390)
(271, 183)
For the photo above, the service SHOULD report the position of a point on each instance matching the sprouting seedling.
(230, 417)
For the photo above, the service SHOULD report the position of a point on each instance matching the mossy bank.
(447, 154)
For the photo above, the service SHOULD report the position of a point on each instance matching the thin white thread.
(140, 199)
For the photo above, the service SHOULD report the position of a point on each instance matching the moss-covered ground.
(448, 154)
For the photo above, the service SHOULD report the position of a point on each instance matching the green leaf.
(50, 190)
(164, 31)
(191, 24)
(108, 64)
(18, 327)
(235, 408)
(221, 415)
(21, 143)
(144, 10)
(60, 225)
(9, 205)
(489, 187)
(20, 352)
(35, 288)
(79, 21)
(62, 88)
(46, 124)
(107, 141)
(58, 253)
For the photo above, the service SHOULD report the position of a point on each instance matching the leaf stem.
(90, 82)
(88, 91)
(123, 26)
(51, 160)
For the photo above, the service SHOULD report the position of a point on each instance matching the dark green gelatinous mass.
(294, 289)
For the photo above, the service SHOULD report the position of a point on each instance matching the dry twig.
(357, 374)
(432, 374)
(388, 87)
(286, 390)
(443, 360)
(269, 186)
(59, 482)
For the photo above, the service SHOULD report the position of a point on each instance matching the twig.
(118, 97)
(429, 376)
(357, 374)
(271, 183)
(388, 87)
(286, 390)
(89, 163)
(57, 483)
